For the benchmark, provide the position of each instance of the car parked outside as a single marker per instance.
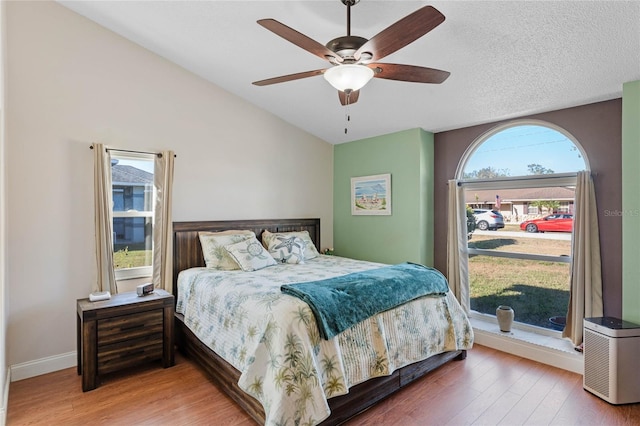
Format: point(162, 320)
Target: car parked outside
point(560, 222)
point(488, 219)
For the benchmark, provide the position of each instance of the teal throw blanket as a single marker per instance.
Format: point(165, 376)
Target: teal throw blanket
point(341, 302)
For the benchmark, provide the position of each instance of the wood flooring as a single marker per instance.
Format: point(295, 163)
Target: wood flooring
point(488, 388)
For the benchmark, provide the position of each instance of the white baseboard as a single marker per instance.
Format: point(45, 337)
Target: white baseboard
point(43, 366)
point(555, 352)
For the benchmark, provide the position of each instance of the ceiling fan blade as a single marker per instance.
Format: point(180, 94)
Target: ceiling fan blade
point(410, 73)
point(352, 97)
point(300, 40)
point(290, 77)
point(400, 34)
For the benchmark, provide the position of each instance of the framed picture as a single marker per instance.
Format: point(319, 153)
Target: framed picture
point(371, 195)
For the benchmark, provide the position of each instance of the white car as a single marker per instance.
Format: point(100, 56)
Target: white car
point(488, 219)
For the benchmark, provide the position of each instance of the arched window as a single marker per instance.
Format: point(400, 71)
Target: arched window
point(519, 185)
point(522, 148)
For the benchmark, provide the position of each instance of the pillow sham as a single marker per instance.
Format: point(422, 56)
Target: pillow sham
point(213, 243)
point(310, 250)
point(287, 248)
point(250, 255)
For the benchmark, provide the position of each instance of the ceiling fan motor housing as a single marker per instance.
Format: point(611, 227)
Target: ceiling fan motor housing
point(346, 46)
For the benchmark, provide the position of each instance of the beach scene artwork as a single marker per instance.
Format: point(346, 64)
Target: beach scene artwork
point(371, 195)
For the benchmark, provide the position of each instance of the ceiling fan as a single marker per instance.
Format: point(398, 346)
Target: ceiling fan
point(354, 58)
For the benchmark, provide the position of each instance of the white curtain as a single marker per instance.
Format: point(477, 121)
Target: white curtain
point(585, 298)
point(162, 229)
point(457, 256)
point(103, 219)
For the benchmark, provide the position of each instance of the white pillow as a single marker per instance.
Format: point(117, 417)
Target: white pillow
point(213, 243)
point(287, 248)
point(310, 250)
point(250, 255)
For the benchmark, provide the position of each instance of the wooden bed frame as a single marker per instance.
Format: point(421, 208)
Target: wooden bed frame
point(188, 254)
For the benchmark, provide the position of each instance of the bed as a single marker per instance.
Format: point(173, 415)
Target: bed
point(352, 392)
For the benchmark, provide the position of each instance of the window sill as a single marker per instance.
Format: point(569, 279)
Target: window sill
point(130, 284)
point(133, 273)
point(547, 349)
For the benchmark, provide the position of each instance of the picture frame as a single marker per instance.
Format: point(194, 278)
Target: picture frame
point(371, 195)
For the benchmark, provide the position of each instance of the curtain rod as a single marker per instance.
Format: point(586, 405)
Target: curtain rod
point(555, 176)
point(159, 154)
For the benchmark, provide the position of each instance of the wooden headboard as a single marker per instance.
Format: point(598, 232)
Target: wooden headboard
point(187, 252)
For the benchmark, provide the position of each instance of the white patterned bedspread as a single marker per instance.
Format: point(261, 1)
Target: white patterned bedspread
point(273, 340)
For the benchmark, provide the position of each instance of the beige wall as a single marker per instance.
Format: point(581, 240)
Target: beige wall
point(70, 83)
point(3, 210)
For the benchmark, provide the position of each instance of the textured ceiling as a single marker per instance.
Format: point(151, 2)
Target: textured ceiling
point(506, 59)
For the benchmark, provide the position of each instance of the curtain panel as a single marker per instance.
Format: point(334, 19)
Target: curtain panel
point(162, 228)
point(457, 256)
point(106, 280)
point(585, 299)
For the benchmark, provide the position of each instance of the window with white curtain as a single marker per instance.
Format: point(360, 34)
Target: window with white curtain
point(524, 170)
point(133, 212)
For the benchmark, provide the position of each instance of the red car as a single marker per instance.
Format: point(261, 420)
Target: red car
point(559, 222)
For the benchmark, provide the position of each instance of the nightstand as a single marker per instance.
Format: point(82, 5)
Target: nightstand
point(123, 331)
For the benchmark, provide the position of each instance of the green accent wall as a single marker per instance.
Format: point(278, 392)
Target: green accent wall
point(631, 201)
point(406, 235)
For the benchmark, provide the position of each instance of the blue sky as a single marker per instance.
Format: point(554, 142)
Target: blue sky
point(516, 147)
point(371, 187)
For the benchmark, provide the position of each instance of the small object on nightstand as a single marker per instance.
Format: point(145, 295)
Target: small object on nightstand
point(99, 295)
point(144, 289)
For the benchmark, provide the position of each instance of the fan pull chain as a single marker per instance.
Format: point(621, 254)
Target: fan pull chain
point(347, 118)
point(347, 113)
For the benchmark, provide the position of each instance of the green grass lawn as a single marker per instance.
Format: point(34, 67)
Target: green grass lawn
point(535, 290)
point(132, 258)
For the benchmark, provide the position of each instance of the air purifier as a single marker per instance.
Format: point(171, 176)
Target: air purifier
point(611, 359)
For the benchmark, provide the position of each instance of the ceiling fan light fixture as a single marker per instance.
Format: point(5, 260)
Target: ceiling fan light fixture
point(348, 76)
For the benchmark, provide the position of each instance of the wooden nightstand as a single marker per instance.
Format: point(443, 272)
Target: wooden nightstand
point(123, 331)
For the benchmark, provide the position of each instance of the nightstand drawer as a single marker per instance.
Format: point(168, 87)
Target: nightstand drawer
point(130, 352)
point(127, 327)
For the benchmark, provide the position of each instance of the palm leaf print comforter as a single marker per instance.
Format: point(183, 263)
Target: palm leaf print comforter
point(273, 340)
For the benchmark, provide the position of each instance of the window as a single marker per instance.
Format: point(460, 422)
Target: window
point(529, 209)
point(133, 202)
point(524, 171)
